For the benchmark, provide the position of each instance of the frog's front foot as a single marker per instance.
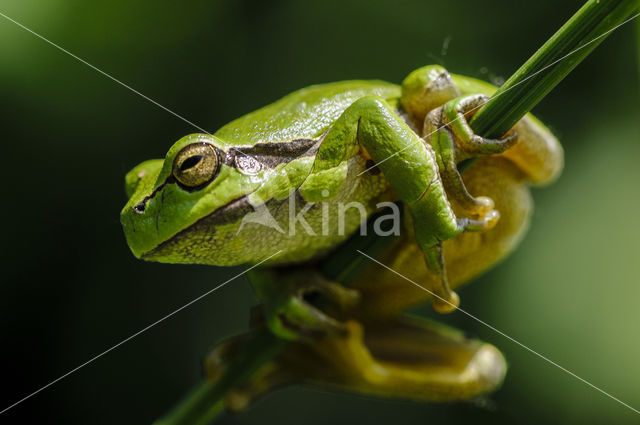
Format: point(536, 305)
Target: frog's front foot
point(304, 306)
point(447, 130)
point(456, 116)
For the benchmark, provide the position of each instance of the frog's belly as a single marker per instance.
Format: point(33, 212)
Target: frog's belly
point(385, 293)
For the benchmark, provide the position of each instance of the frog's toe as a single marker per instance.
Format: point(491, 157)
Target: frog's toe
point(310, 312)
point(487, 222)
point(457, 114)
point(446, 305)
point(309, 325)
point(478, 145)
point(480, 207)
point(329, 294)
point(484, 205)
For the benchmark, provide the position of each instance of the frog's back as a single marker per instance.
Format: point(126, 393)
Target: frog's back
point(306, 113)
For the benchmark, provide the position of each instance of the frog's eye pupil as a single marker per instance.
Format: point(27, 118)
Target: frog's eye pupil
point(196, 165)
point(190, 162)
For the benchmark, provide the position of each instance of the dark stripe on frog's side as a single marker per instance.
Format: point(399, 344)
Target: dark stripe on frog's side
point(272, 154)
point(229, 213)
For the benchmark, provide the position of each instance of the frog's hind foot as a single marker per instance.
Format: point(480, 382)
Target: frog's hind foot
point(406, 359)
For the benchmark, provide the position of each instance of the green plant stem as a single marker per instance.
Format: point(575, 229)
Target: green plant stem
point(638, 46)
point(585, 30)
point(206, 402)
point(512, 101)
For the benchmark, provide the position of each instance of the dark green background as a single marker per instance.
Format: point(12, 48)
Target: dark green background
point(71, 288)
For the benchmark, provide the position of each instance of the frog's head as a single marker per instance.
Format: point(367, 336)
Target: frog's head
point(183, 209)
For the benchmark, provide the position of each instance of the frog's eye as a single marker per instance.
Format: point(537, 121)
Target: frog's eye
point(196, 164)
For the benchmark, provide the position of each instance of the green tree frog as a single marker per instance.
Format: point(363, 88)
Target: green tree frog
point(312, 164)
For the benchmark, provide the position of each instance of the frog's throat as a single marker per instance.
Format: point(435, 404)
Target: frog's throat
point(229, 213)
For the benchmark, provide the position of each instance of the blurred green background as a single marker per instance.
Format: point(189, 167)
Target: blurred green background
point(72, 289)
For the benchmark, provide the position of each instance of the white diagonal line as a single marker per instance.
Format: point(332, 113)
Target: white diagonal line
point(515, 85)
point(103, 73)
point(240, 274)
point(375, 165)
point(135, 335)
point(502, 333)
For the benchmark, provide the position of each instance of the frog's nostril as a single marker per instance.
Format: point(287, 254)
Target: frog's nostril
point(139, 208)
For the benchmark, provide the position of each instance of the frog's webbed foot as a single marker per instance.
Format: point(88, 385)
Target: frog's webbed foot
point(407, 358)
point(447, 130)
point(304, 306)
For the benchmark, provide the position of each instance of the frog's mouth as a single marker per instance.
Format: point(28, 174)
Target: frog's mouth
point(195, 243)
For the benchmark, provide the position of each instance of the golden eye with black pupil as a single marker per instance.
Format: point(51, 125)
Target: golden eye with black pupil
point(196, 164)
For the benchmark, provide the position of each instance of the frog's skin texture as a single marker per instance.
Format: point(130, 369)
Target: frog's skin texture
point(329, 145)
